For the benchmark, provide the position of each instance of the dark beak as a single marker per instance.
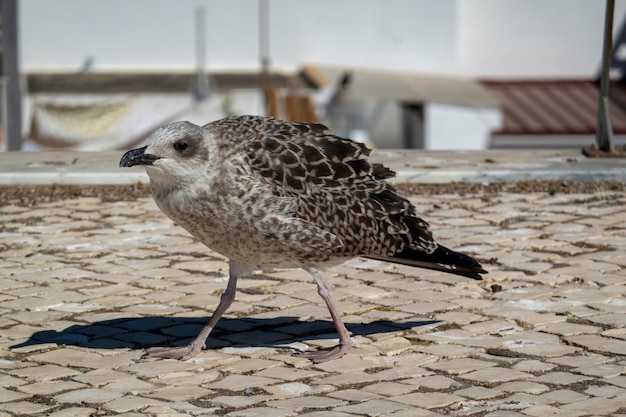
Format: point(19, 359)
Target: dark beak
point(137, 157)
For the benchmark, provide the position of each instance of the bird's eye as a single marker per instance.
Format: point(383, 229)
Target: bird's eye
point(181, 145)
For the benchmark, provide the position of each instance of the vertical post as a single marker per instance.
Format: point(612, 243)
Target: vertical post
point(4, 118)
point(202, 80)
point(604, 130)
point(10, 69)
point(264, 39)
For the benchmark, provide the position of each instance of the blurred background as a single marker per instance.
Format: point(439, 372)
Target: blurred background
point(427, 74)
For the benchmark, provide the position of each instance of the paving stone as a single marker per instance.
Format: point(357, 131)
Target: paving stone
point(373, 407)
point(607, 391)
point(620, 381)
point(586, 359)
point(549, 410)
point(459, 366)
point(478, 393)
point(496, 374)
point(299, 404)
point(529, 387)
point(87, 396)
point(25, 408)
point(8, 395)
point(533, 366)
point(564, 396)
point(47, 388)
point(240, 382)
point(44, 372)
point(73, 412)
point(596, 405)
point(560, 378)
point(432, 382)
point(291, 389)
point(261, 412)
point(239, 401)
point(288, 374)
point(428, 399)
point(131, 403)
point(388, 389)
point(602, 370)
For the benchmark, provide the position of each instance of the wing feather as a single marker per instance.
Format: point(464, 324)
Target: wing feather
point(333, 184)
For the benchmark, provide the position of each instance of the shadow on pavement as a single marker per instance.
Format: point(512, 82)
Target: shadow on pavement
point(144, 332)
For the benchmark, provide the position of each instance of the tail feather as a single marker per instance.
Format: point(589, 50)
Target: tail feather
point(442, 259)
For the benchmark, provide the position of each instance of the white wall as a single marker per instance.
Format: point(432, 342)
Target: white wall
point(537, 38)
point(159, 34)
point(454, 127)
point(465, 37)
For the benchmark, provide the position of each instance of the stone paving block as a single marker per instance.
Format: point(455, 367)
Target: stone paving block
point(387, 388)
point(585, 359)
point(619, 381)
point(87, 396)
point(413, 412)
point(528, 387)
point(478, 393)
point(601, 370)
point(459, 366)
point(293, 389)
point(607, 391)
point(560, 378)
point(564, 396)
point(598, 343)
point(73, 412)
point(47, 388)
point(43, 372)
point(432, 382)
point(372, 407)
point(25, 408)
point(505, 413)
point(9, 395)
point(428, 399)
point(131, 403)
point(262, 412)
point(533, 366)
point(549, 410)
point(495, 375)
point(240, 382)
point(596, 405)
point(310, 402)
point(347, 378)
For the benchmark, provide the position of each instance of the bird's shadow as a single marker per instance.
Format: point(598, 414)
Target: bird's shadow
point(144, 332)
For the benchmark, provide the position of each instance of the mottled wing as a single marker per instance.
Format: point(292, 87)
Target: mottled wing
point(335, 186)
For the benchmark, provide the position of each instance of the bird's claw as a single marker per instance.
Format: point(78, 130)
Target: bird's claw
point(182, 353)
point(327, 354)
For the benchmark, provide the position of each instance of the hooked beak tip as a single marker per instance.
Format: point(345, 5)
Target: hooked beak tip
point(137, 157)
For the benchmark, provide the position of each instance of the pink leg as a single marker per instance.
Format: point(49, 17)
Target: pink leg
point(324, 355)
point(192, 349)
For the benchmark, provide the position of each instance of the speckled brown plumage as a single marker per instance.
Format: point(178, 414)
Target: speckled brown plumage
point(269, 193)
point(330, 182)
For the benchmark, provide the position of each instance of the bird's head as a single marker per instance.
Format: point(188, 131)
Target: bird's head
point(174, 154)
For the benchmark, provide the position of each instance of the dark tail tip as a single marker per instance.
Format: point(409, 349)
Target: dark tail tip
point(442, 259)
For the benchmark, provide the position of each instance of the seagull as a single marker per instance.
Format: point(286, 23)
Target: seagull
point(268, 193)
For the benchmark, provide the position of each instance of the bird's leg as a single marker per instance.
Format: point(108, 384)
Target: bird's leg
point(323, 355)
point(193, 348)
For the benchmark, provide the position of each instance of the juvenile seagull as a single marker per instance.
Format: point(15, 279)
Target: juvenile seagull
point(267, 193)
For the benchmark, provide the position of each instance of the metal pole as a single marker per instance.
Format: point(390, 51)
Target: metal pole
point(264, 38)
point(202, 80)
point(10, 69)
point(4, 117)
point(604, 131)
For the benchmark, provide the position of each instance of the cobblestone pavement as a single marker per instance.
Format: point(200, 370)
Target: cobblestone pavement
point(85, 285)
